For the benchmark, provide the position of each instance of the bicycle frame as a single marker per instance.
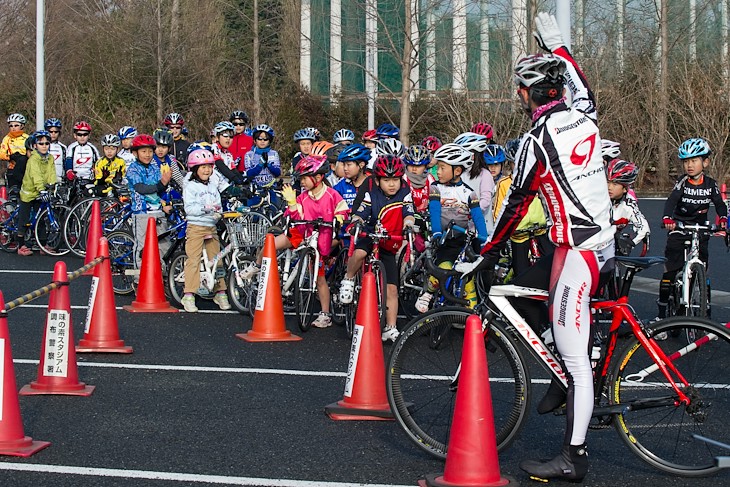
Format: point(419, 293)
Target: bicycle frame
point(690, 258)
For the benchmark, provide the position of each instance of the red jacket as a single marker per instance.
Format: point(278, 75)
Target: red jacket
point(241, 144)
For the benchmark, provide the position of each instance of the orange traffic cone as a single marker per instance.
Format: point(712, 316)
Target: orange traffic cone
point(92, 240)
point(471, 458)
point(3, 194)
point(57, 370)
point(150, 292)
point(365, 397)
point(268, 320)
point(13, 441)
point(102, 329)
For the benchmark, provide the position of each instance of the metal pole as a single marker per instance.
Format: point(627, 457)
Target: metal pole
point(305, 49)
point(371, 57)
point(562, 15)
point(40, 68)
point(335, 48)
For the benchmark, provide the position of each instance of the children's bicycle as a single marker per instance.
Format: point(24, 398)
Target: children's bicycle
point(655, 394)
point(45, 225)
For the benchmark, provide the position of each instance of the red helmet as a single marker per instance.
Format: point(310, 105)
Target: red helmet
point(143, 140)
point(311, 165)
point(622, 172)
point(174, 119)
point(389, 166)
point(369, 135)
point(431, 143)
point(483, 128)
point(82, 125)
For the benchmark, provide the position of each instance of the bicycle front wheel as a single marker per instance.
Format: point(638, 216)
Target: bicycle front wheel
point(305, 290)
point(8, 226)
point(697, 305)
point(242, 292)
point(48, 230)
point(422, 379)
point(653, 423)
point(121, 258)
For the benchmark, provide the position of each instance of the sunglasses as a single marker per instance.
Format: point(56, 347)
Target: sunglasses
point(262, 138)
point(54, 131)
point(239, 124)
point(42, 143)
point(226, 135)
point(82, 134)
point(176, 127)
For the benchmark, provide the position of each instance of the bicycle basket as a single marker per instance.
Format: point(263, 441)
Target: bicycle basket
point(246, 232)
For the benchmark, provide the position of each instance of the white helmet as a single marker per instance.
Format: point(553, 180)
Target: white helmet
point(610, 149)
point(534, 69)
point(392, 147)
point(472, 142)
point(454, 155)
point(17, 118)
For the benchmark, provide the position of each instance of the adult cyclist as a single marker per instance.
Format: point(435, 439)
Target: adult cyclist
point(561, 158)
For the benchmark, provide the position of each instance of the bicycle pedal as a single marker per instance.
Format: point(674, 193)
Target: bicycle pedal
point(538, 479)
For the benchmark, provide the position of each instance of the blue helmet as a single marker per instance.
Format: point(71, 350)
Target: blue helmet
point(223, 126)
point(354, 153)
point(494, 154)
point(40, 134)
point(201, 144)
point(52, 122)
point(307, 133)
point(387, 131)
point(417, 155)
point(510, 148)
point(343, 135)
point(696, 147)
point(263, 128)
point(472, 142)
point(127, 132)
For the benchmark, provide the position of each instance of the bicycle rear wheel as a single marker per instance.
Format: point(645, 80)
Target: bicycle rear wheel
point(339, 310)
point(121, 258)
point(243, 296)
point(421, 380)
point(305, 290)
point(49, 227)
point(697, 305)
point(653, 424)
point(411, 281)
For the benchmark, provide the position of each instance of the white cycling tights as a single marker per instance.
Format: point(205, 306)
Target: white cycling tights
point(574, 277)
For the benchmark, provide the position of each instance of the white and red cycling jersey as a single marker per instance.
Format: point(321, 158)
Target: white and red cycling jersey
point(560, 157)
point(58, 151)
point(82, 158)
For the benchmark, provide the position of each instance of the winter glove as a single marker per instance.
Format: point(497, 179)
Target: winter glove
point(547, 33)
point(44, 196)
point(70, 175)
point(289, 195)
point(625, 245)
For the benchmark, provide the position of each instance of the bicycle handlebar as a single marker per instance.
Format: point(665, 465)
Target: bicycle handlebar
point(442, 275)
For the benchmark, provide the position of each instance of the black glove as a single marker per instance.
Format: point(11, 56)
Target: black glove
point(233, 191)
point(44, 196)
point(625, 245)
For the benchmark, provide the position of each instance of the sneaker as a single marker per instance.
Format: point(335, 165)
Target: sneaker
point(221, 299)
point(423, 303)
point(324, 320)
point(347, 291)
point(47, 250)
point(250, 271)
point(391, 334)
point(24, 251)
point(661, 336)
point(188, 303)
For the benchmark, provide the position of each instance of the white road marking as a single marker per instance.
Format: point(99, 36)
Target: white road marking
point(175, 476)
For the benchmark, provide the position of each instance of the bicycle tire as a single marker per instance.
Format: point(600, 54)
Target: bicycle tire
point(420, 380)
point(8, 226)
point(335, 279)
point(121, 259)
point(653, 424)
point(305, 290)
point(52, 229)
point(76, 223)
point(352, 313)
point(243, 297)
point(410, 275)
point(697, 305)
point(381, 289)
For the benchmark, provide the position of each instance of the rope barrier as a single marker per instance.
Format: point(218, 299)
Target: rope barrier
point(26, 298)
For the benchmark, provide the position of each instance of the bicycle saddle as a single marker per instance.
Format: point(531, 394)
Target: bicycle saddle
point(640, 262)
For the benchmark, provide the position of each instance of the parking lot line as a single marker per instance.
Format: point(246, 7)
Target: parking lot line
point(175, 476)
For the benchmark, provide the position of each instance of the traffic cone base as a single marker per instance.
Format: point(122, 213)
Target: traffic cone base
point(96, 346)
point(57, 369)
point(471, 456)
point(22, 448)
point(150, 291)
point(435, 480)
point(92, 238)
point(269, 324)
point(3, 194)
point(365, 397)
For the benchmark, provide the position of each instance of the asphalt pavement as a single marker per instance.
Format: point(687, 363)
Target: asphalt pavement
point(193, 405)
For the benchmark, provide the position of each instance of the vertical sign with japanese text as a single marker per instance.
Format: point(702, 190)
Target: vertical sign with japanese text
point(92, 300)
point(354, 354)
point(263, 281)
point(55, 362)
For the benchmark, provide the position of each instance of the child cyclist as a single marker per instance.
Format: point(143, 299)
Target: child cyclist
point(126, 135)
point(81, 156)
point(353, 159)
point(40, 172)
point(689, 202)
point(624, 210)
point(13, 155)
point(388, 203)
point(451, 200)
point(110, 168)
point(317, 200)
point(202, 207)
point(57, 150)
point(165, 160)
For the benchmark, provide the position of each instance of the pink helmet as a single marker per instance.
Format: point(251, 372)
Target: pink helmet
point(311, 165)
point(199, 157)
